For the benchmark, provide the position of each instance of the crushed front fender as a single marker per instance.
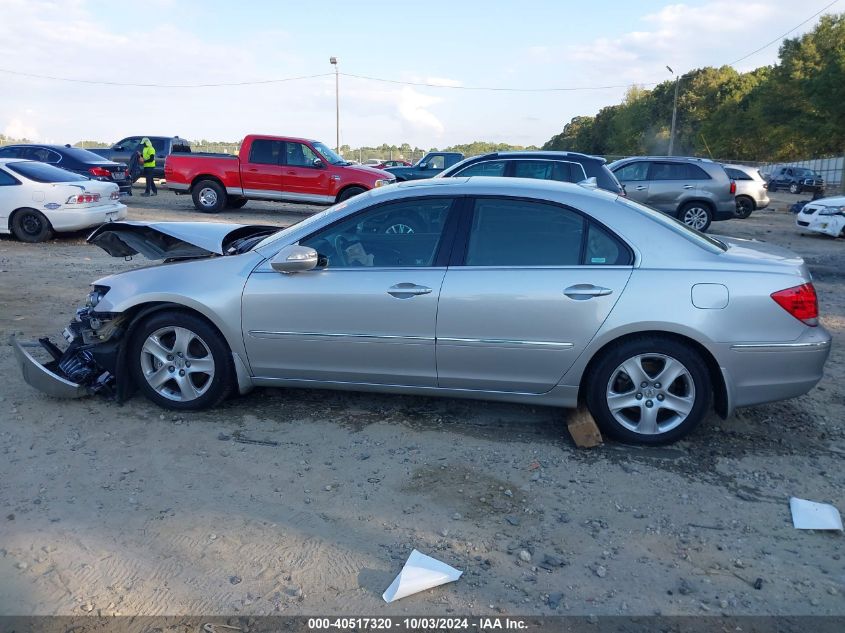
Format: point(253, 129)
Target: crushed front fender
point(43, 376)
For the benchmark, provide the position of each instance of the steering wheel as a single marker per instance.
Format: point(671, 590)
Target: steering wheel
point(341, 243)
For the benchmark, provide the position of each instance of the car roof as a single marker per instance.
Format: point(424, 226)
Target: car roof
point(530, 153)
point(678, 158)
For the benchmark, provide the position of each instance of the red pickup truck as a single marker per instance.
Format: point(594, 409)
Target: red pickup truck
point(269, 168)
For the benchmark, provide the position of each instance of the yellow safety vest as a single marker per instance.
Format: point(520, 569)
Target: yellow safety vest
point(149, 155)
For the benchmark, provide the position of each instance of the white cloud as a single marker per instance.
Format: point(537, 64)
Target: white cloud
point(17, 128)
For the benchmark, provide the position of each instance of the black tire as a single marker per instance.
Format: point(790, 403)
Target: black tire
point(30, 225)
point(794, 187)
point(744, 206)
point(236, 202)
point(697, 215)
point(403, 224)
point(208, 389)
point(349, 193)
point(209, 196)
point(692, 388)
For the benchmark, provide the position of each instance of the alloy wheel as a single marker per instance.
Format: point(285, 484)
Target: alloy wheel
point(650, 394)
point(208, 197)
point(696, 217)
point(177, 363)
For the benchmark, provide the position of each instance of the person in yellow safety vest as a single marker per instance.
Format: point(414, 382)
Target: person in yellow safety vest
point(148, 159)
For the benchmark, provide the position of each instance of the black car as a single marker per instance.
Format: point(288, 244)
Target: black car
point(75, 159)
point(796, 180)
point(563, 166)
point(163, 145)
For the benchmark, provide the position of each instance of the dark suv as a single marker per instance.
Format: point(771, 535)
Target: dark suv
point(163, 145)
point(562, 166)
point(796, 180)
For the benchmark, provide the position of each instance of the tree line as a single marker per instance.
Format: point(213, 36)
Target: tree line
point(792, 110)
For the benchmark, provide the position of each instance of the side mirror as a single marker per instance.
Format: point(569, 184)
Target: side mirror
point(423, 165)
point(118, 148)
point(318, 163)
point(295, 259)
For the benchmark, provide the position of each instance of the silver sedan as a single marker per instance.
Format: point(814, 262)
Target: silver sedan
point(517, 290)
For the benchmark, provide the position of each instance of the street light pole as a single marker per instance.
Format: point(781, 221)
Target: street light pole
point(674, 113)
point(333, 62)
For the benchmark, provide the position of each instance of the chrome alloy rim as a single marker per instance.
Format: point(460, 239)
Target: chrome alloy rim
point(208, 197)
point(177, 364)
point(696, 217)
point(650, 394)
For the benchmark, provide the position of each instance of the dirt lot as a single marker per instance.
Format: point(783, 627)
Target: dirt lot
point(133, 510)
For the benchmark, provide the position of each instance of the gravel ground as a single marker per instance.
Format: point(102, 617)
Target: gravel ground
point(134, 510)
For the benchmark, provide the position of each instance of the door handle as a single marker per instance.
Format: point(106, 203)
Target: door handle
point(407, 290)
point(291, 173)
point(640, 188)
point(580, 292)
point(689, 186)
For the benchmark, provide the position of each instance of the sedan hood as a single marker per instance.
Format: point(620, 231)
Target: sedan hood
point(173, 240)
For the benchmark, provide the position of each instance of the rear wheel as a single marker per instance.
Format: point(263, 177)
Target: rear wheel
point(649, 390)
point(744, 206)
point(696, 215)
point(29, 225)
point(349, 193)
point(180, 362)
point(209, 196)
point(236, 202)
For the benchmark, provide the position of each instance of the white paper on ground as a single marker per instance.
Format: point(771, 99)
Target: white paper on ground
point(420, 572)
point(809, 515)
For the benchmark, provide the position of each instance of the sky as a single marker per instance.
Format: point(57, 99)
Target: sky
point(467, 44)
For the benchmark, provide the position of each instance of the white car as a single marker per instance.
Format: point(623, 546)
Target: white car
point(825, 215)
point(37, 200)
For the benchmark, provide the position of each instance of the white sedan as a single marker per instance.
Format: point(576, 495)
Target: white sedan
point(37, 200)
point(825, 215)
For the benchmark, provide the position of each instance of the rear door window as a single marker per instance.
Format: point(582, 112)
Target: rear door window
point(543, 170)
point(265, 151)
point(668, 171)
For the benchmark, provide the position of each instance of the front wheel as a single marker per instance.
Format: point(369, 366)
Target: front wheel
point(30, 225)
point(349, 193)
point(696, 215)
point(794, 188)
point(180, 362)
point(209, 196)
point(649, 390)
point(744, 207)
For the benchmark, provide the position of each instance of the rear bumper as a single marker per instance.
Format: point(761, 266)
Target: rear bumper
point(76, 219)
point(41, 377)
point(757, 373)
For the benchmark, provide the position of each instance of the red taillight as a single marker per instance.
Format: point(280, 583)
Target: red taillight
point(99, 172)
point(733, 187)
point(801, 302)
point(84, 198)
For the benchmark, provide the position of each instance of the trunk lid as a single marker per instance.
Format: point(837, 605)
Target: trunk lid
point(750, 252)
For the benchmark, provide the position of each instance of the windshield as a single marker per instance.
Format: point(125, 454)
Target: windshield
point(42, 172)
point(804, 173)
point(710, 243)
point(328, 154)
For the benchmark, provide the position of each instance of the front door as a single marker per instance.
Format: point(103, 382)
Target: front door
point(301, 178)
point(535, 284)
point(367, 314)
point(261, 175)
point(634, 177)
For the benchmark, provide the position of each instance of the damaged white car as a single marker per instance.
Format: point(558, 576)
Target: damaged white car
point(825, 215)
point(507, 289)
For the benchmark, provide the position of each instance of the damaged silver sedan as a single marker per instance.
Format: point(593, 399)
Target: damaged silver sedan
point(506, 289)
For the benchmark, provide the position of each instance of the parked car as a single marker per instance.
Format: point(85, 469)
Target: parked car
point(163, 145)
point(277, 168)
point(696, 191)
point(37, 199)
point(562, 166)
point(521, 290)
point(825, 215)
point(796, 180)
point(373, 162)
point(394, 163)
point(751, 189)
point(75, 159)
point(429, 166)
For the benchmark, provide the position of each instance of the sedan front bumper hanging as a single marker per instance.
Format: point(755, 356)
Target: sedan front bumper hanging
point(44, 377)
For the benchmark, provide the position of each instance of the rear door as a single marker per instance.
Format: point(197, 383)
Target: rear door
point(301, 179)
point(634, 177)
point(531, 286)
point(261, 174)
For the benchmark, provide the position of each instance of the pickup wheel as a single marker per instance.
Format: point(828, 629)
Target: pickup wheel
point(236, 202)
point(348, 193)
point(794, 188)
point(209, 196)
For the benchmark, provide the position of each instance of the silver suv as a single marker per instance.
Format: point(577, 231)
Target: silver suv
point(696, 191)
point(751, 189)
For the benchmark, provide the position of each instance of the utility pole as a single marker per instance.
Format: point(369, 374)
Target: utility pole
point(333, 62)
point(674, 113)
